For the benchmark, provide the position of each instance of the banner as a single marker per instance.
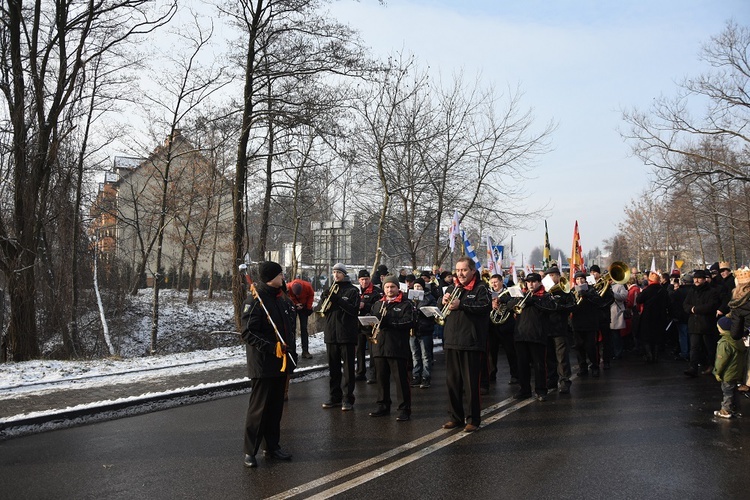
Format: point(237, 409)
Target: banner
point(470, 252)
point(547, 249)
point(454, 231)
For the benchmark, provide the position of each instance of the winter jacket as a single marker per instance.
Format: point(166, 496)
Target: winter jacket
point(425, 324)
point(705, 299)
point(740, 313)
point(305, 297)
point(585, 317)
point(260, 336)
point(532, 323)
point(558, 318)
point(617, 309)
point(676, 304)
point(467, 328)
point(341, 323)
point(654, 317)
point(729, 366)
point(393, 335)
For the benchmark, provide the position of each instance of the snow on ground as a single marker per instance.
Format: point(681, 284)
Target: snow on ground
point(177, 318)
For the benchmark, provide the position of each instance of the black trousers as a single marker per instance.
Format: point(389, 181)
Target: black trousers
point(586, 348)
point(264, 411)
point(532, 354)
point(558, 361)
point(384, 368)
point(341, 359)
point(462, 377)
point(361, 355)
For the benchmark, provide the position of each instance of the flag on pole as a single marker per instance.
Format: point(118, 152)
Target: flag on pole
point(491, 264)
point(513, 272)
point(559, 260)
point(470, 252)
point(653, 264)
point(576, 255)
point(497, 255)
point(547, 249)
point(454, 231)
point(673, 267)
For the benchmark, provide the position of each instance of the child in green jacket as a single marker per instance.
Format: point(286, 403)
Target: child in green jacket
point(729, 368)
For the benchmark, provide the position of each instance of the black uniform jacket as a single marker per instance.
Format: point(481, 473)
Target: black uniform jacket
point(655, 314)
point(532, 323)
point(393, 335)
point(585, 316)
point(260, 336)
point(467, 328)
point(558, 318)
point(341, 323)
point(705, 299)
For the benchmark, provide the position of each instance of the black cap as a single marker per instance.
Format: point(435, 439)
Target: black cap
point(533, 277)
point(595, 269)
point(699, 273)
point(363, 273)
point(268, 270)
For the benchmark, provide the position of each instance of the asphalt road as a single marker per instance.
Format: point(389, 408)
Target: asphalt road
point(640, 431)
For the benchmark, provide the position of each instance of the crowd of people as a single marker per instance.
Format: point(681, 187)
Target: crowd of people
point(540, 323)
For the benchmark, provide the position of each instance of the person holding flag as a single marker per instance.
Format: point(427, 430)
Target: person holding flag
point(268, 322)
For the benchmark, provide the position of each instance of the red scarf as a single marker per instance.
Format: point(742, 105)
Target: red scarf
point(396, 299)
point(369, 289)
point(470, 286)
point(539, 291)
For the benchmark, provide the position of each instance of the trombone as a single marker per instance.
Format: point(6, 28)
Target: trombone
point(519, 307)
point(326, 305)
point(440, 320)
point(373, 337)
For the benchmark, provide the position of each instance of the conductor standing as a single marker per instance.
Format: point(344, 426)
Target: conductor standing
point(268, 321)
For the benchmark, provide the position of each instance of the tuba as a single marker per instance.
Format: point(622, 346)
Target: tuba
point(326, 305)
point(563, 286)
point(619, 272)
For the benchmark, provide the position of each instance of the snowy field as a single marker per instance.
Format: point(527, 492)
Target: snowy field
point(179, 325)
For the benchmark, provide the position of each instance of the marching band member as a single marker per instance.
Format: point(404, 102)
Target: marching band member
point(558, 342)
point(390, 348)
point(340, 336)
point(500, 334)
point(264, 313)
point(532, 322)
point(369, 294)
point(465, 339)
point(421, 342)
point(585, 321)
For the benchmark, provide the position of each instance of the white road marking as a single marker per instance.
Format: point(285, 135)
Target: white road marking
point(380, 471)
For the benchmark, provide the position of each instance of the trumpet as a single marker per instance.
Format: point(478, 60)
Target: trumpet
point(619, 272)
point(563, 286)
point(326, 305)
point(440, 320)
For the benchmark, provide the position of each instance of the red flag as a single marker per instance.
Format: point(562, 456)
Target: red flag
point(576, 259)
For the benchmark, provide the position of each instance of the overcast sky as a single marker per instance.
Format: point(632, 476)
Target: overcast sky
point(579, 63)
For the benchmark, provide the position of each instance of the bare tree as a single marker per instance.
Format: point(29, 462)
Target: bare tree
point(44, 50)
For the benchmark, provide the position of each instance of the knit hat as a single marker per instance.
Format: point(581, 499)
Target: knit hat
point(580, 274)
point(419, 281)
point(363, 273)
point(714, 267)
point(595, 269)
point(724, 325)
point(340, 267)
point(268, 270)
point(391, 279)
point(382, 270)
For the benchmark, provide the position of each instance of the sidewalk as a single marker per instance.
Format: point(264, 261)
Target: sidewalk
point(149, 394)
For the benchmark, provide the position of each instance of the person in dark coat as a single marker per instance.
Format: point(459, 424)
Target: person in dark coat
point(421, 341)
point(701, 304)
point(270, 360)
point(585, 323)
point(369, 294)
point(532, 325)
point(464, 341)
point(739, 311)
point(500, 334)
point(654, 316)
point(340, 335)
point(559, 372)
point(390, 348)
